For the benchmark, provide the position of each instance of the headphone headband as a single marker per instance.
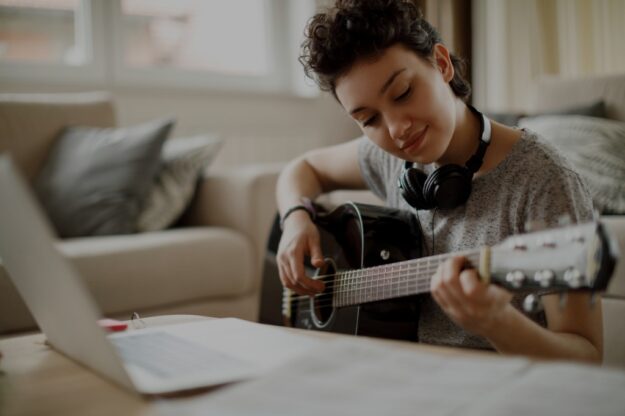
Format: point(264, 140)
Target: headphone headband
point(475, 162)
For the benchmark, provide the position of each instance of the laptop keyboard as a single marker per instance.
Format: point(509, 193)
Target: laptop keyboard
point(166, 355)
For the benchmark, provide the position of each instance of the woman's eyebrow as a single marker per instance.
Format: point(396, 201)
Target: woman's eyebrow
point(387, 84)
point(390, 80)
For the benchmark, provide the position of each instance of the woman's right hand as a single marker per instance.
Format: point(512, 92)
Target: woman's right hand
point(300, 238)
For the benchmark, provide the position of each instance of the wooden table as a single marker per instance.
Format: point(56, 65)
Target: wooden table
point(35, 379)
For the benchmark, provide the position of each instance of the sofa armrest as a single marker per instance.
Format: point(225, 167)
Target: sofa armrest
point(242, 199)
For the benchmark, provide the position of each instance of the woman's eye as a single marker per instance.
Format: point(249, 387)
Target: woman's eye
point(404, 94)
point(370, 121)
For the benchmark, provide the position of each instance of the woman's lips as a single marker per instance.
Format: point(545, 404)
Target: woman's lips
point(415, 141)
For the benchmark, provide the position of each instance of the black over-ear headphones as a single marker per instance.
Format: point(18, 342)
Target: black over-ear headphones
point(448, 186)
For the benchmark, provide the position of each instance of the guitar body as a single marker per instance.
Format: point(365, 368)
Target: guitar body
point(354, 236)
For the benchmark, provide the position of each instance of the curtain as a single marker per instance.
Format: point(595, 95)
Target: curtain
point(452, 19)
point(517, 41)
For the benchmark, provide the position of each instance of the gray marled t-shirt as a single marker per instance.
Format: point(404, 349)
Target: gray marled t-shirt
point(533, 183)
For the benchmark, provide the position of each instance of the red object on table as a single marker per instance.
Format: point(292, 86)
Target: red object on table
point(112, 325)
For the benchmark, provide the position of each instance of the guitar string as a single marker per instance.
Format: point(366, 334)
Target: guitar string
point(421, 287)
point(347, 292)
point(399, 270)
point(321, 300)
point(307, 307)
point(354, 283)
point(428, 260)
point(415, 262)
point(322, 305)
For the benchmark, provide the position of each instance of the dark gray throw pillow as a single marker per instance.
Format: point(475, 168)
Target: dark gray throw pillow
point(594, 109)
point(95, 180)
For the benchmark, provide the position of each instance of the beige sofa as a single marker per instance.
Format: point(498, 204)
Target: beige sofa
point(210, 266)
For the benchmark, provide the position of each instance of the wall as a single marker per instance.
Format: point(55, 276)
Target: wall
point(516, 43)
point(256, 127)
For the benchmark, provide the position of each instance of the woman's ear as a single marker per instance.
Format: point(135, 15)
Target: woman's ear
point(443, 62)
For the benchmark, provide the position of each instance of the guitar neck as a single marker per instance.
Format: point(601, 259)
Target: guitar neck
point(390, 281)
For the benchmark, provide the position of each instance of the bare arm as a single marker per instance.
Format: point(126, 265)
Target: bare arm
point(574, 331)
point(318, 171)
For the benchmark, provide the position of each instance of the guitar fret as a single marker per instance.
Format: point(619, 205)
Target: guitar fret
point(349, 294)
point(389, 281)
point(368, 279)
point(345, 288)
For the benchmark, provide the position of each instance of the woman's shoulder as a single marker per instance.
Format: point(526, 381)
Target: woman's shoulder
point(536, 155)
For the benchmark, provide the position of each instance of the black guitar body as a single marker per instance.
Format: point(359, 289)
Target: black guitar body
point(354, 236)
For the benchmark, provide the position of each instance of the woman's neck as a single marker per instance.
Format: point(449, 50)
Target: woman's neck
point(465, 139)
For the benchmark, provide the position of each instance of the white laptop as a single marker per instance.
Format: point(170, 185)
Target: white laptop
point(148, 361)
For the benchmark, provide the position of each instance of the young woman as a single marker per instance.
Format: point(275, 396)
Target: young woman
point(390, 71)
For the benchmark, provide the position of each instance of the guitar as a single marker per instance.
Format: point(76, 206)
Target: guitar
point(374, 274)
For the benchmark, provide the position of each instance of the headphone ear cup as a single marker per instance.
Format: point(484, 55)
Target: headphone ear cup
point(448, 187)
point(411, 184)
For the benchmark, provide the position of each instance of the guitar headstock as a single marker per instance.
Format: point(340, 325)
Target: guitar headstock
point(580, 257)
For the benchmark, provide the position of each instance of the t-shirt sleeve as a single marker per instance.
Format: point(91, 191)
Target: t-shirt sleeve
point(371, 159)
point(561, 194)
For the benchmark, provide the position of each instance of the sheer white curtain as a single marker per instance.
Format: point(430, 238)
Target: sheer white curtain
point(517, 41)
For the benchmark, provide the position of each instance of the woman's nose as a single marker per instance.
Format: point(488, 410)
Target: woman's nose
point(398, 127)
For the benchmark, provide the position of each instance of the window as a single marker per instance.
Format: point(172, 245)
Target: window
point(224, 44)
point(41, 31)
point(191, 35)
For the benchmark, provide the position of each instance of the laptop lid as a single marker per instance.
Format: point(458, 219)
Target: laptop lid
point(48, 283)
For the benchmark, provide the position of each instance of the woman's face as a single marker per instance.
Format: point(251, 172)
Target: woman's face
point(402, 102)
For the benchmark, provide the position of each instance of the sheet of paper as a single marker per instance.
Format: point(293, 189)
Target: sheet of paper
point(364, 377)
point(558, 389)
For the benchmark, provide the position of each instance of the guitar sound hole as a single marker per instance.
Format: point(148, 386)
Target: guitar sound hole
point(321, 305)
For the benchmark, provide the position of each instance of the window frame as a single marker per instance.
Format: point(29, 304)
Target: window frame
point(103, 22)
point(92, 72)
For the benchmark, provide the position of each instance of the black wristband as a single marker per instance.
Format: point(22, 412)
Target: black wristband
point(306, 206)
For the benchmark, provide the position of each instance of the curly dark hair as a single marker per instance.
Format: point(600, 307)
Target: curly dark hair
point(362, 29)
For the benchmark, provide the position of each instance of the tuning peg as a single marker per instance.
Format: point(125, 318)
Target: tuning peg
point(534, 225)
point(573, 277)
point(562, 300)
point(532, 304)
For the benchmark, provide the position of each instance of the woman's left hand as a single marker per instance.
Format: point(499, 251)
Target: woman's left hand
point(473, 305)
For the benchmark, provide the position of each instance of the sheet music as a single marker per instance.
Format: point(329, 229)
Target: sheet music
point(364, 377)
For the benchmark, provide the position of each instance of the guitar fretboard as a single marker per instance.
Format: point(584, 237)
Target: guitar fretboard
point(390, 281)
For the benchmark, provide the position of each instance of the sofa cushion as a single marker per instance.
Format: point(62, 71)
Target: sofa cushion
point(95, 180)
point(183, 160)
point(142, 271)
